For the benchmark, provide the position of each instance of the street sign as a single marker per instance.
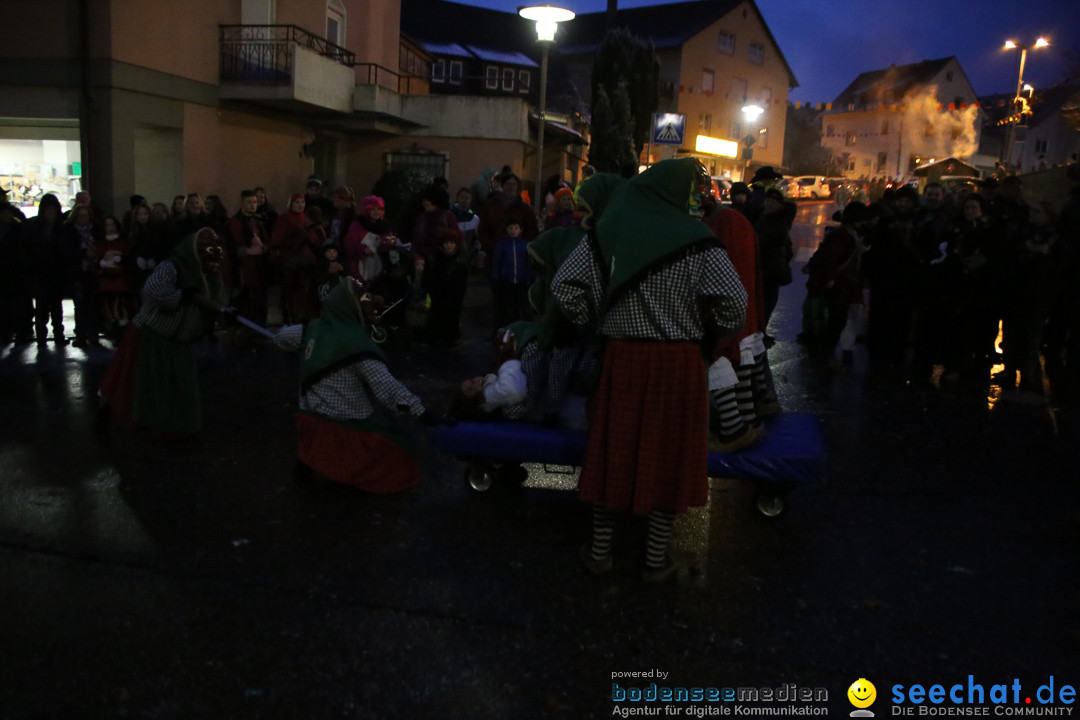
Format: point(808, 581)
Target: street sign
point(748, 140)
point(669, 128)
point(748, 154)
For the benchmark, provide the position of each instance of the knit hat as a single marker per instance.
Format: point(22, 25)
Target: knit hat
point(563, 192)
point(855, 212)
point(766, 173)
point(372, 201)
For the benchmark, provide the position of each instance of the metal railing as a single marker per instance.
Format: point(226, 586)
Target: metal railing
point(373, 74)
point(262, 54)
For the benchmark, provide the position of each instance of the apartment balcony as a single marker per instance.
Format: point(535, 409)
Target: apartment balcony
point(285, 67)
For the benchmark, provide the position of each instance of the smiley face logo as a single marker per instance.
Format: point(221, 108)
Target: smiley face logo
point(862, 693)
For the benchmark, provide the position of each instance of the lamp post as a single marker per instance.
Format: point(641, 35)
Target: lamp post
point(751, 113)
point(1018, 100)
point(547, 19)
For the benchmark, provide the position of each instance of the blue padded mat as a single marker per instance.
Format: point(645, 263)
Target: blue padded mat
point(792, 451)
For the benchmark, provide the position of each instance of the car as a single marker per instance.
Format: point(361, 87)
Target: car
point(808, 186)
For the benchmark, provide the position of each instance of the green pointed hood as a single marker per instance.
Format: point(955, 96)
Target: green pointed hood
point(337, 338)
point(648, 219)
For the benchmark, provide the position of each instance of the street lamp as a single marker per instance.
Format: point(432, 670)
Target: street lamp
point(547, 19)
point(1018, 101)
point(751, 113)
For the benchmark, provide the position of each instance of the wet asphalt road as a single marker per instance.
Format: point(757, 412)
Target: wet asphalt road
point(199, 580)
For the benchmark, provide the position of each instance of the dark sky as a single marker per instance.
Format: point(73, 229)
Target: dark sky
point(828, 43)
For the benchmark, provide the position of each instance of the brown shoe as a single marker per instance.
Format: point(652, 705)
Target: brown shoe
point(746, 437)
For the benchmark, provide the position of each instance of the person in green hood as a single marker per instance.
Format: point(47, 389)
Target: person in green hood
point(575, 356)
point(651, 281)
point(343, 377)
point(153, 378)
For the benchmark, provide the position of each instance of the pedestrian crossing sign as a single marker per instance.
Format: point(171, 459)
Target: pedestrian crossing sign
point(668, 128)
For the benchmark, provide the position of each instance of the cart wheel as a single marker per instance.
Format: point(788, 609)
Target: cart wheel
point(770, 505)
point(379, 334)
point(479, 476)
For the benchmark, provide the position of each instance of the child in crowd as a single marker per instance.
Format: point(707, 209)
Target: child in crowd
point(445, 280)
point(511, 274)
point(366, 236)
point(331, 270)
point(116, 283)
point(565, 213)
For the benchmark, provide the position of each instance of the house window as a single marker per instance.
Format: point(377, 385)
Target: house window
point(849, 139)
point(757, 54)
point(948, 76)
point(335, 23)
point(524, 78)
point(1041, 146)
point(707, 80)
point(508, 79)
point(438, 71)
point(735, 130)
point(491, 77)
point(738, 89)
point(725, 43)
point(866, 163)
point(766, 96)
point(851, 165)
point(958, 101)
point(704, 122)
point(885, 127)
point(882, 158)
point(456, 71)
point(830, 130)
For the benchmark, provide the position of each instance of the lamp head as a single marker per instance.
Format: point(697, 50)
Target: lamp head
point(1042, 42)
point(1010, 45)
point(547, 19)
point(753, 112)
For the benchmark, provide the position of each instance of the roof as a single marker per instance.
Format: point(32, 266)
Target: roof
point(948, 166)
point(433, 22)
point(898, 79)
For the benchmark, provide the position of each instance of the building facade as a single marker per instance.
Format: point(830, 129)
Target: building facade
point(716, 57)
point(888, 122)
point(214, 96)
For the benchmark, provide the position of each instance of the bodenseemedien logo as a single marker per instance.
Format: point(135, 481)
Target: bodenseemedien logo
point(862, 694)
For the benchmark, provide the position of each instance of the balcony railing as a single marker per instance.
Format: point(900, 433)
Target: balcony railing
point(372, 74)
point(262, 54)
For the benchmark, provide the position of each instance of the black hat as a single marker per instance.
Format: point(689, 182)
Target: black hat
point(856, 212)
point(739, 188)
point(765, 173)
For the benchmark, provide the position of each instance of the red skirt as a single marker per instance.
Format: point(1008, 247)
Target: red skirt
point(118, 384)
point(367, 460)
point(648, 429)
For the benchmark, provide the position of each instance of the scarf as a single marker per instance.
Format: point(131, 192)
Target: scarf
point(648, 220)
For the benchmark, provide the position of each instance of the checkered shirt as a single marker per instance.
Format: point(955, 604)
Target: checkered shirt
point(162, 310)
point(347, 394)
point(662, 305)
